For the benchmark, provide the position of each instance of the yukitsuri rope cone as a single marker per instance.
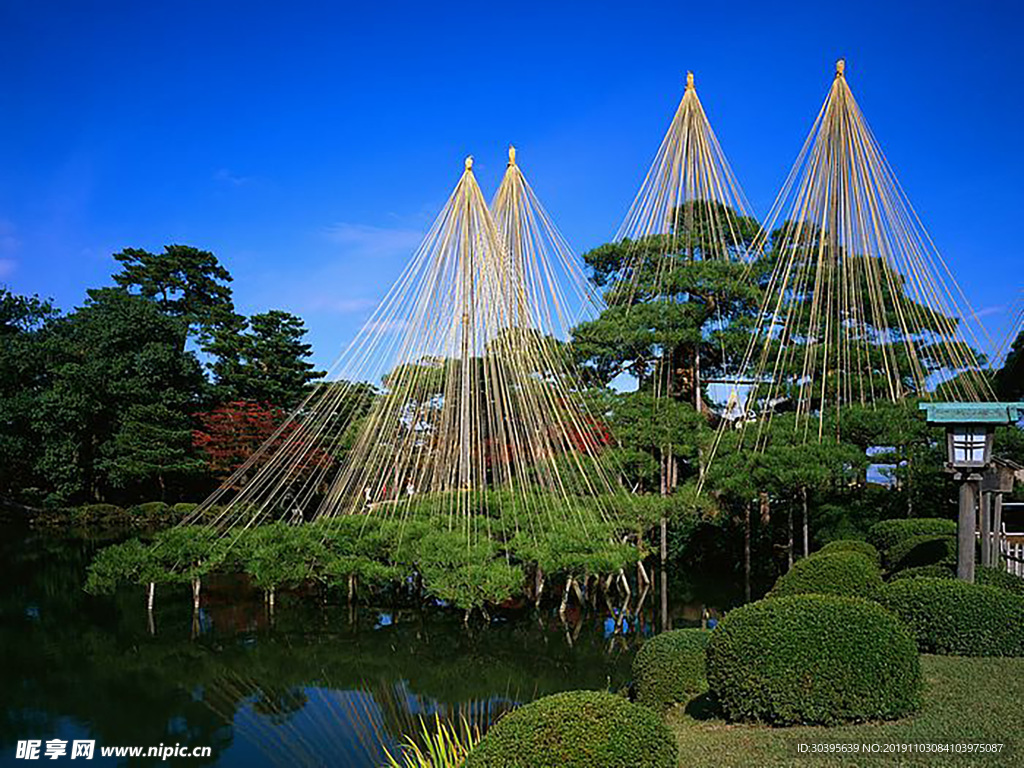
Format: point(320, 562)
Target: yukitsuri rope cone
point(456, 395)
point(859, 307)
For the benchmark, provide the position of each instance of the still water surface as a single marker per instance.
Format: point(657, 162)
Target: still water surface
point(320, 684)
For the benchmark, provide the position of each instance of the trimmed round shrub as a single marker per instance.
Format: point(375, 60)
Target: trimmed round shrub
point(577, 729)
point(922, 550)
point(885, 534)
point(669, 668)
point(998, 577)
point(850, 545)
point(850, 574)
point(953, 617)
point(925, 572)
point(184, 508)
point(815, 659)
point(149, 509)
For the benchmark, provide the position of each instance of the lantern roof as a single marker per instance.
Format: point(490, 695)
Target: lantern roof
point(973, 413)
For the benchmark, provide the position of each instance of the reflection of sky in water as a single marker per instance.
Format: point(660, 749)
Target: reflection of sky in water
point(340, 727)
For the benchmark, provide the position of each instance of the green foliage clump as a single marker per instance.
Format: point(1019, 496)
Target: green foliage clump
point(916, 551)
point(998, 577)
point(149, 509)
point(850, 574)
point(813, 659)
point(183, 508)
point(886, 534)
point(130, 562)
point(924, 572)
point(669, 668)
point(850, 545)
point(948, 616)
point(96, 513)
point(983, 574)
point(577, 729)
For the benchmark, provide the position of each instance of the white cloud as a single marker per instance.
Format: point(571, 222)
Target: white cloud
point(989, 311)
point(226, 176)
point(9, 242)
point(364, 240)
point(7, 267)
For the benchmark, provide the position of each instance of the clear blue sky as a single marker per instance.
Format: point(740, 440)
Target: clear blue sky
point(310, 144)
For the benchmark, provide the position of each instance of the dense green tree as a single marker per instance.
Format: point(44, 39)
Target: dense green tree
point(24, 321)
point(1009, 381)
point(114, 415)
point(185, 282)
point(265, 360)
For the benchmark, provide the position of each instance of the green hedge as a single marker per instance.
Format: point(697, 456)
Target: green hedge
point(850, 545)
point(916, 551)
point(953, 617)
point(816, 659)
point(669, 668)
point(983, 574)
point(885, 534)
point(925, 572)
point(184, 508)
point(998, 577)
point(577, 729)
point(850, 574)
point(149, 509)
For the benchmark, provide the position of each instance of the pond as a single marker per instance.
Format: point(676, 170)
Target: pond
point(316, 684)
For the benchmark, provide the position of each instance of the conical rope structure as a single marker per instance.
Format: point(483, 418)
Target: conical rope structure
point(690, 194)
point(457, 395)
point(859, 307)
point(686, 231)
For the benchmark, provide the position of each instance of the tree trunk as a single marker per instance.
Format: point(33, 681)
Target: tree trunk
point(789, 536)
point(150, 592)
point(746, 552)
point(196, 586)
point(806, 527)
point(664, 573)
point(351, 587)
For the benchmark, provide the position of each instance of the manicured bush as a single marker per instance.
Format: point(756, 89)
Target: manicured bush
point(184, 509)
point(149, 509)
point(850, 574)
point(956, 618)
point(916, 551)
point(925, 572)
point(577, 729)
point(669, 668)
point(850, 545)
point(998, 577)
point(813, 659)
point(885, 534)
point(96, 512)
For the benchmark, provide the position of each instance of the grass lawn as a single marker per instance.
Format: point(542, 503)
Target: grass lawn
point(970, 700)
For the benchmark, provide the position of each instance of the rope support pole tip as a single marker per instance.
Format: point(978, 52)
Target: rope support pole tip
point(511, 155)
point(840, 67)
point(689, 81)
point(469, 162)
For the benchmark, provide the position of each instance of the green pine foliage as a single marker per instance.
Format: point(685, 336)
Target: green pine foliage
point(948, 616)
point(846, 573)
point(669, 668)
point(813, 659)
point(577, 729)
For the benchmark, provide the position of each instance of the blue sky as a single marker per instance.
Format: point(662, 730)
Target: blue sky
point(309, 145)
